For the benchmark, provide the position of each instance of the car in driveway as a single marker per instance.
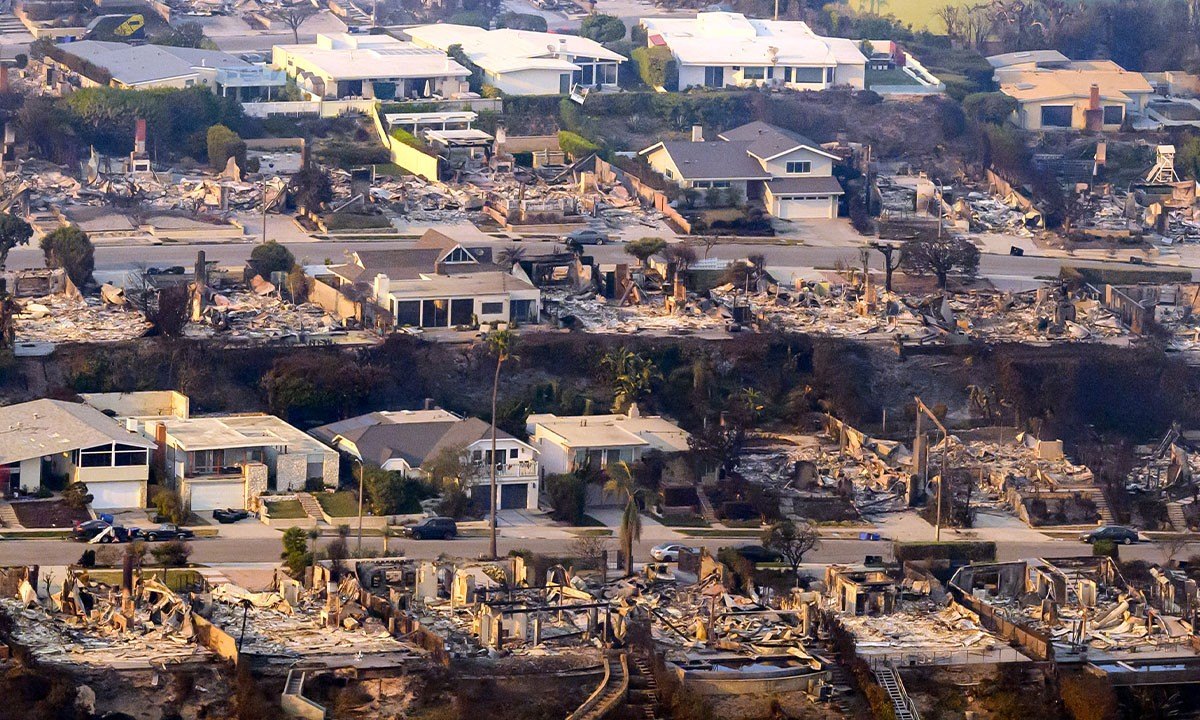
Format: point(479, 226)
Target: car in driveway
point(433, 528)
point(669, 552)
point(586, 236)
point(230, 515)
point(1113, 533)
point(168, 531)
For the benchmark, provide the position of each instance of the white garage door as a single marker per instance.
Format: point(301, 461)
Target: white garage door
point(116, 494)
point(795, 209)
point(217, 495)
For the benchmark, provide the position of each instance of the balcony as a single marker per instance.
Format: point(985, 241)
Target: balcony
point(522, 469)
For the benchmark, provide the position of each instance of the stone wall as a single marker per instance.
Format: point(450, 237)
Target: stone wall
point(257, 477)
point(291, 470)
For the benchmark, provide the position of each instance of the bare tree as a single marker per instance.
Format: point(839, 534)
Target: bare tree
point(295, 16)
point(892, 257)
point(940, 257)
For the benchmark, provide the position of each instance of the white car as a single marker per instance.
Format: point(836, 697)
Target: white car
point(669, 552)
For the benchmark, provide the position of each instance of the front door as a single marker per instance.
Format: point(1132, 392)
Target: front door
point(564, 83)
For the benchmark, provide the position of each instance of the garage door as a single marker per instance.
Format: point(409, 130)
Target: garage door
point(795, 209)
point(217, 495)
point(116, 494)
point(514, 497)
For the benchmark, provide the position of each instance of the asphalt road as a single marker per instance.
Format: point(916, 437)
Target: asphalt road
point(130, 257)
point(239, 550)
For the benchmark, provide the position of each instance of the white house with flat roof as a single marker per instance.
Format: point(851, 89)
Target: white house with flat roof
point(724, 49)
point(220, 461)
point(342, 65)
point(567, 443)
point(525, 62)
point(75, 442)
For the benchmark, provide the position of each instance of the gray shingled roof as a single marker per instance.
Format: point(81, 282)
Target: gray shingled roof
point(766, 140)
point(48, 427)
point(795, 185)
point(714, 161)
point(137, 64)
point(416, 443)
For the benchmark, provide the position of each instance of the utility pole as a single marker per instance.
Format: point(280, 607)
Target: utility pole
point(360, 505)
point(923, 409)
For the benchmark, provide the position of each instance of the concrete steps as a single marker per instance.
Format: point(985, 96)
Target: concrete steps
point(1174, 514)
point(607, 697)
point(311, 507)
point(643, 689)
point(891, 684)
point(1096, 495)
point(706, 506)
point(8, 518)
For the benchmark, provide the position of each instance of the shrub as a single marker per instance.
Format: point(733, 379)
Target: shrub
point(1105, 548)
point(76, 496)
point(602, 28)
point(575, 145)
point(868, 97)
point(71, 249)
point(989, 107)
point(223, 144)
point(657, 67)
point(270, 257)
point(954, 551)
point(567, 494)
point(170, 506)
point(174, 553)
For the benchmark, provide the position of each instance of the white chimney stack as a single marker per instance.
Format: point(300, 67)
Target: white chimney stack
point(697, 133)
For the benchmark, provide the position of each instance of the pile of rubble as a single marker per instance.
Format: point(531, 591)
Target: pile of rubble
point(920, 627)
point(989, 214)
point(247, 316)
point(593, 313)
point(63, 318)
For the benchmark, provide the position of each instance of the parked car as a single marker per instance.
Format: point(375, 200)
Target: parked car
point(168, 531)
point(586, 236)
point(434, 527)
point(230, 515)
point(669, 552)
point(1114, 533)
point(758, 554)
point(83, 531)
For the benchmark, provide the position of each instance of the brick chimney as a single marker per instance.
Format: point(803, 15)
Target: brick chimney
point(139, 136)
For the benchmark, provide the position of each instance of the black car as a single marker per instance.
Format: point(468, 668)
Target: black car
point(229, 515)
point(168, 531)
point(84, 531)
point(433, 528)
point(101, 531)
point(1113, 533)
point(758, 554)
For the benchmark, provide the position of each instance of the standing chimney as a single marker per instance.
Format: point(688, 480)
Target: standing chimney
point(1094, 98)
point(3, 79)
point(139, 137)
point(697, 133)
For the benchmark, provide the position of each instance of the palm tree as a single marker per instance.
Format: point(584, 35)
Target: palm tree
point(621, 482)
point(500, 343)
point(510, 256)
point(632, 376)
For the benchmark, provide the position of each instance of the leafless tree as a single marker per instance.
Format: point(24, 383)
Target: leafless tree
point(792, 541)
point(295, 16)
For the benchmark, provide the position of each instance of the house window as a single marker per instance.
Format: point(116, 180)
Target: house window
point(408, 312)
point(702, 184)
point(809, 75)
point(829, 75)
point(755, 73)
point(523, 311)
point(1114, 114)
point(607, 74)
point(461, 311)
point(435, 313)
point(669, 173)
point(714, 77)
point(127, 456)
point(96, 457)
point(512, 454)
point(458, 255)
point(787, 74)
point(207, 462)
point(799, 167)
point(720, 183)
point(1056, 115)
point(492, 308)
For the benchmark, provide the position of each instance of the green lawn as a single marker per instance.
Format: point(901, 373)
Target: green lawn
point(340, 504)
point(684, 521)
point(285, 510)
point(895, 76)
point(717, 533)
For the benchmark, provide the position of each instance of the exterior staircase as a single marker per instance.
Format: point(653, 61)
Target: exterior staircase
point(611, 692)
point(310, 505)
point(1174, 514)
point(890, 682)
point(643, 689)
point(8, 518)
point(293, 702)
point(706, 507)
point(1096, 495)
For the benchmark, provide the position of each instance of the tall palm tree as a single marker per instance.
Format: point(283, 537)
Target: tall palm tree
point(510, 256)
point(500, 343)
point(621, 482)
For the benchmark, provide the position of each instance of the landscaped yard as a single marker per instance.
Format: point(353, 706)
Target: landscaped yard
point(48, 514)
point(285, 510)
point(340, 504)
point(895, 76)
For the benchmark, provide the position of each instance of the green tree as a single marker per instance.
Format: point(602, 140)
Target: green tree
point(989, 107)
point(76, 496)
point(223, 144)
point(71, 249)
point(500, 344)
point(13, 232)
point(174, 553)
point(170, 506)
point(632, 376)
point(656, 67)
point(621, 482)
point(521, 21)
point(295, 553)
point(645, 248)
point(270, 257)
point(602, 28)
point(456, 53)
point(390, 493)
